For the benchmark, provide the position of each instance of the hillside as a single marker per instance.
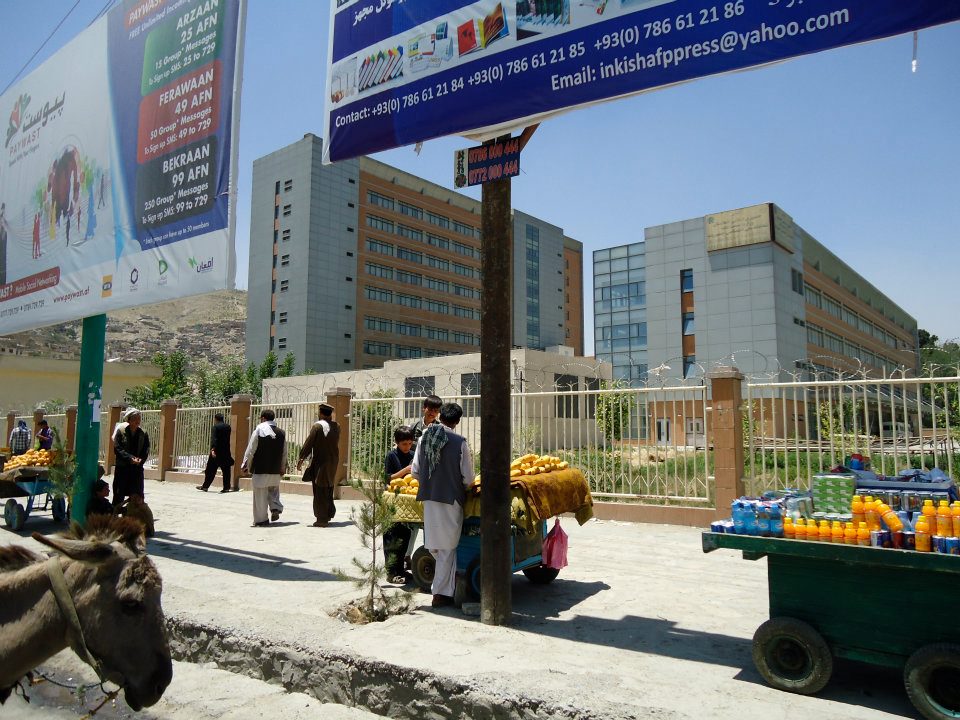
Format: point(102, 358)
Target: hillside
point(210, 326)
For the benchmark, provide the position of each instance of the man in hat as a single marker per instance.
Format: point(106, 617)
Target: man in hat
point(132, 447)
point(266, 458)
point(220, 456)
point(322, 446)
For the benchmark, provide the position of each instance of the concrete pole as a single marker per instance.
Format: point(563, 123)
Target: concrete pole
point(496, 329)
point(726, 389)
point(339, 398)
point(242, 425)
point(168, 429)
point(71, 429)
point(116, 410)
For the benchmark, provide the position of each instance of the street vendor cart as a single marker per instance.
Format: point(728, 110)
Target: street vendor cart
point(534, 499)
point(30, 483)
point(893, 608)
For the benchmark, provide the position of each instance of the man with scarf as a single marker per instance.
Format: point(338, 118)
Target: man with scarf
point(322, 446)
point(443, 464)
point(131, 444)
point(266, 458)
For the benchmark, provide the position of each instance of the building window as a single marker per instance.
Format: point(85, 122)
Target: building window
point(411, 301)
point(438, 220)
point(466, 292)
point(287, 210)
point(287, 185)
point(379, 247)
point(813, 296)
point(286, 235)
point(686, 280)
point(438, 307)
point(281, 343)
point(409, 277)
point(379, 200)
point(416, 387)
point(380, 271)
point(463, 229)
point(284, 285)
point(798, 321)
point(438, 285)
point(378, 324)
point(438, 334)
point(284, 260)
point(463, 270)
point(689, 365)
point(371, 347)
point(465, 250)
point(283, 318)
point(438, 242)
point(408, 329)
point(567, 406)
point(796, 281)
point(465, 312)
point(407, 352)
point(410, 233)
point(379, 294)
point(438, 263)
point(409, 255)
point(411, 210)
point(688, 326)
point(379, 223)
point(470, 385)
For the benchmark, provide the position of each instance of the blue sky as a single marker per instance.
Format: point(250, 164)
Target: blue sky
point(861, 152)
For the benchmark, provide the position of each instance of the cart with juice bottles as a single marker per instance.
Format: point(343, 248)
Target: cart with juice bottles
point(893, 608)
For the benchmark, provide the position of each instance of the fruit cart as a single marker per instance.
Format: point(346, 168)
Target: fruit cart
point(532, 503)
point(28, 482)
point(893, 608)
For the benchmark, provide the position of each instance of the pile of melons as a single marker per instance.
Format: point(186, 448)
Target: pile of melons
point(31, 458)
point(407, 485)
point(533, 464)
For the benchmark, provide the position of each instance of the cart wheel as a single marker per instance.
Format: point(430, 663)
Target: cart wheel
point(541, 574)
point(792, 656)
point(932, 679)
point(59, 509)
point(422, 565)
point(460, 591)
point(13, 514)
point(472, 579)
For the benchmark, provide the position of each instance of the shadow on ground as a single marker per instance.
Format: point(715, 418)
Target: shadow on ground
point(243, 562)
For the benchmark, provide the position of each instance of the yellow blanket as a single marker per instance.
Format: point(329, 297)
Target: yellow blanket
point(546, 495)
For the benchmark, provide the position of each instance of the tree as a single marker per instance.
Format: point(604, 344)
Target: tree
point(614, 410)
point(172, 383)
point(371, 431)
point(926, 339)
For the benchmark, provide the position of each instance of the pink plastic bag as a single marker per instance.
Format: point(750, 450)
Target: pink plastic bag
point(555, 547)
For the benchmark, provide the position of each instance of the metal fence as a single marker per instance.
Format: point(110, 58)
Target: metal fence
point(796, 430)
point(295, 419)
point(150, 423)
point(106, 435)
point(646, 444)
point(191, 438)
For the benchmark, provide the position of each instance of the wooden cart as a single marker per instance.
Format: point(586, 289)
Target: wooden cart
point(894, 608)
point(30, 483)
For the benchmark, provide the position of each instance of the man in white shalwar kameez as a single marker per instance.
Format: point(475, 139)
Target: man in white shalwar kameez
point(443, 464)
point(266, 458)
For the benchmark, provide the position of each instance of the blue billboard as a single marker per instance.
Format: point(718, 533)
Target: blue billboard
point(403, 71)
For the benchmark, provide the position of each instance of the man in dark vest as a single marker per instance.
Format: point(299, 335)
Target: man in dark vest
point(220, 455)
point(322, 446)
point(266, 458)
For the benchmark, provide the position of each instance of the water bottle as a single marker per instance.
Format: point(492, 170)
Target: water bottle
point(763, 519)
point(739, 521)
point(750, 517)
point(776, 521)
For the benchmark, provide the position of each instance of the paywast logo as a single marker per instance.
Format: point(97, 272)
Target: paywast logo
point(201, 267)
point(16, 116)
point(107, 290)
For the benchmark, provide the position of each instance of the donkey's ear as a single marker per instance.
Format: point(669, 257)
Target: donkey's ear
point(83, 550)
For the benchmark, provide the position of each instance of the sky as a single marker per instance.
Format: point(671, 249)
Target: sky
point(860, 151)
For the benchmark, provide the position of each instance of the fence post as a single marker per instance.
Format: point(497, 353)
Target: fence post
point(240, 435)
point(11, 424)
point(71, 429)
point(116, 409)
point(726, 388)
point(340, 399)
point(168, 430)
point(37, 417)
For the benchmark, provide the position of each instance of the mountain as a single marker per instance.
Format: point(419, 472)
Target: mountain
point(211, 326)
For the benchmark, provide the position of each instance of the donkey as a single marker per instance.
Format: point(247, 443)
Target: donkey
point(109, 585)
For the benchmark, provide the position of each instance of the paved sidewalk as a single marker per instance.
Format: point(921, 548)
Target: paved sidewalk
point(641, 624)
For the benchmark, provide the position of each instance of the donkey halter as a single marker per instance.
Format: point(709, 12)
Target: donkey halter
point(69, 611)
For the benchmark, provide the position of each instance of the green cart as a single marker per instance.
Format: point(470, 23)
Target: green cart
point(894, 608)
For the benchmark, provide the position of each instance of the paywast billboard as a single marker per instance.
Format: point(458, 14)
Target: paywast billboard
point(116, 161)
point(402, 71)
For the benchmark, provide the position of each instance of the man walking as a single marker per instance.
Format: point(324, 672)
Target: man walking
point(266, 458)
point(443, 464)
point(322, 446)
point(220, 456)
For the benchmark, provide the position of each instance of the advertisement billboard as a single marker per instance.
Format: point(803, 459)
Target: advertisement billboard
point(404, 71)
point(117, 163)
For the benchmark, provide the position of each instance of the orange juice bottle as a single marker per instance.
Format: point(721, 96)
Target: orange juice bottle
point(955, 512)
point(836, 533)
point(856, 507)
point(944, 519)
point(850, 534)
point(870, 513)
point(788, 530)
point(923, 535)
point(824, 531)
point(893, 521)
point(930, 515)
point(863, 535)
point(800, 529)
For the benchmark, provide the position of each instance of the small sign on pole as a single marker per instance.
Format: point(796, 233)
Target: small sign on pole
point(486, 163)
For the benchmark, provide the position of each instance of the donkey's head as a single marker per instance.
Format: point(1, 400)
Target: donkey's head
point(116, 590)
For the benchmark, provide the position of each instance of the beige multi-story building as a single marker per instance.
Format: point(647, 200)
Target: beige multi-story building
point(358, 263)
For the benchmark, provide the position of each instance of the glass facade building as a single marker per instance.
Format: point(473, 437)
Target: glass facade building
point(620, 310)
